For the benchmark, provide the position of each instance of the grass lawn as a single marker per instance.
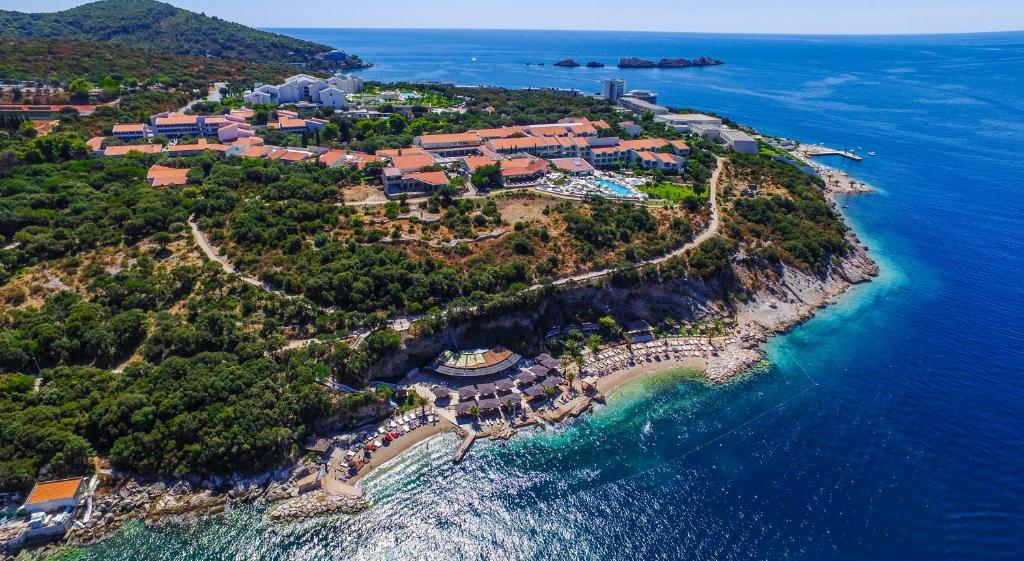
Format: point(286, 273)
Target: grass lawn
point(668, 191)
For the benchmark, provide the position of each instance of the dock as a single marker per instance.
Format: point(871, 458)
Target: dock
point(817, 150)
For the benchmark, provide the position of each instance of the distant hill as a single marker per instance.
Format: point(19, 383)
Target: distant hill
point(162, 27)
point(60, 60)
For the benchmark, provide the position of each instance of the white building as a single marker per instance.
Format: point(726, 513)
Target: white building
point(301, 87)
point(614, 88)
point(333, 97)
point(739, 141)
point(640, 106)
point(685, 122)
point(346, 83)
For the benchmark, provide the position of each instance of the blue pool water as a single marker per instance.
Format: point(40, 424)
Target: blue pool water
point(619, 190)
point(891, 426)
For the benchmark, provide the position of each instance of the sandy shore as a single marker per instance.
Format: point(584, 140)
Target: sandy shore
point(619, 378)
point(381, 456)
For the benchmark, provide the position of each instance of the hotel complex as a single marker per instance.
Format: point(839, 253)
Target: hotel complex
point(331, 92)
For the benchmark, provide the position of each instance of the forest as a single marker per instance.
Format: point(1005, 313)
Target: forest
point(156, 26)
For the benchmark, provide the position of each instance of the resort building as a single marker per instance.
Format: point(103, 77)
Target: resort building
point(162, 176)
point(614, 88)
point(657, 160)
point(518, 171)
point(397, 184)
point(358, 160)
point(306, 88)
point(288, 122)
point(544, 147)
point(739, 141)
point(685, 121)
point(131, 131)
point(333, 97)
point(608, 156)
point(115, 151)
point(640, 106)
point(196, 148)
point(573, 166)
point(643, 95)
point(176, 125)
point(631, 128)
point(459, 144)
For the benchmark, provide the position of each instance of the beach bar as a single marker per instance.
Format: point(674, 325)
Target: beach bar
point(475, 363)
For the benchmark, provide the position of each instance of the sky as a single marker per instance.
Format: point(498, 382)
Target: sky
point(718, 16)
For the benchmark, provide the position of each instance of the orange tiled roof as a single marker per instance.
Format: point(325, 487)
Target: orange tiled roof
point(54, 490)
point(457, 138)
point(644, 143)
point(96, 143)
point(128, 127)
point(331, 157)
point(572, 164)
point(523, 166)
point(161, 176)
point(522, 143)
point(124, 150)
point(391, 153)
point(430, 177)
point(646, 156)
point(177, 120)
point(679, 145)
point(257, 152)
point(476, 162)
point(501, 132)
point(412, 162)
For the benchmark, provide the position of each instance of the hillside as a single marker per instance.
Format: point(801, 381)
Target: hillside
point(162, 27)
point(63, 59)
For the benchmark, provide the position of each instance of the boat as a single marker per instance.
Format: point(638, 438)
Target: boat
point(473, 59)
point(872, 154)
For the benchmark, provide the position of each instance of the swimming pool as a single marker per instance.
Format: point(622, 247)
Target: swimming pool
point(615, 188)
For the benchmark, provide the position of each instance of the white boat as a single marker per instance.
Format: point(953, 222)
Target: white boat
point(872, 154)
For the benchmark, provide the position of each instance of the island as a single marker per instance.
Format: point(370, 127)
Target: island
point(632, 62)
point(567, 63)
point(595, 64)
point(242, 295)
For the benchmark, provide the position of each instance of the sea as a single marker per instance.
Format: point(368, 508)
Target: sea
point(890, 426)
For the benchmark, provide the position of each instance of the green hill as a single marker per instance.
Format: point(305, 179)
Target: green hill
point(162, 27)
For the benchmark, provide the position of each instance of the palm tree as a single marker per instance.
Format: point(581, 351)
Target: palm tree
point(569, 377)
point(474, 411)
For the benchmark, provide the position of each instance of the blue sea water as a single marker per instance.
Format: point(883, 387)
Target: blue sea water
point(891, 426)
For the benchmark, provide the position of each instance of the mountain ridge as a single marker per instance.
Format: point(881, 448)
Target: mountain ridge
point(166, 28)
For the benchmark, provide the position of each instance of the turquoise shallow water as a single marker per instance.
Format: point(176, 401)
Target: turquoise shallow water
point(888, 427)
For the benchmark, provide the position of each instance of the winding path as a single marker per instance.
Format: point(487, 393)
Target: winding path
point(712, 229)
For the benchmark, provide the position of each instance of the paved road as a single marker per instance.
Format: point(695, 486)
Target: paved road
point(212, 95)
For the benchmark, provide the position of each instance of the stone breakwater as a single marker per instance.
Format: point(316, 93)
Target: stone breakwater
point(317, 503)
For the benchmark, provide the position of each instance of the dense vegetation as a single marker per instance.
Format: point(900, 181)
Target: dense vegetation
point(61, 60)
point(151, 25)
point(790, 220)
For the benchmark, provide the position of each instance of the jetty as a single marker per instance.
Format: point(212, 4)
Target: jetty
point(819, 150)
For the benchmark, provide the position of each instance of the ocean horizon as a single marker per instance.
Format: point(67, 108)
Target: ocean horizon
point(889, 426)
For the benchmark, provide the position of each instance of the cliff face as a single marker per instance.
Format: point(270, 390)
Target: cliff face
point(777, 298)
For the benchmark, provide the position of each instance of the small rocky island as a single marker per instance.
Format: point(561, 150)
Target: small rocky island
point(595, 64)
point(633, 62)
point(567, 63)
